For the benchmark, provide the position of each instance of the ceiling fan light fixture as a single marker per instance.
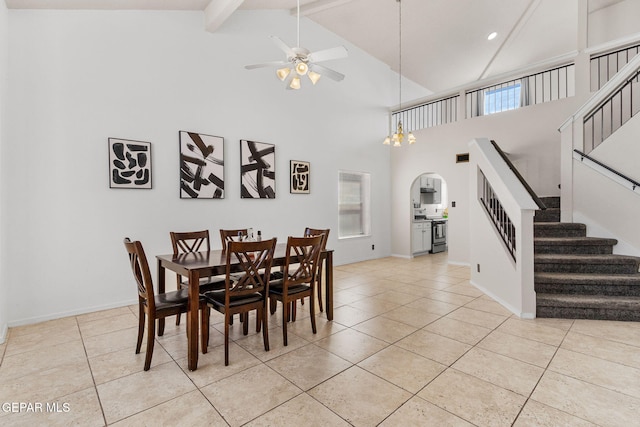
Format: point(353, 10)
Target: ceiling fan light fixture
point(282, 73)
point(301, 68)
point(314, 77)
point(295, 83)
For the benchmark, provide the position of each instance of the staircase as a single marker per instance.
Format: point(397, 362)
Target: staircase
point(579, 277)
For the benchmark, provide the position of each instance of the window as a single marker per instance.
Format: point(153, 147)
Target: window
point(354, 190)
point(502, 99)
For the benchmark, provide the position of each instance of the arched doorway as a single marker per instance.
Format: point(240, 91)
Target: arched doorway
point(429, 200)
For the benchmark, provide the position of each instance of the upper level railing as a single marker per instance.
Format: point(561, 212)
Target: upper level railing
point(434, 113)
point(550, 85)
point(605, 65)
point(612, 112)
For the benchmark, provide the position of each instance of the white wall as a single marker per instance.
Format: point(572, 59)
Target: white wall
point(80, 77)
point(529, 135)
point(4, 44)
point(616, 21)
point(606, 207)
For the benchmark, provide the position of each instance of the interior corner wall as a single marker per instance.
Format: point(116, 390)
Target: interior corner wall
point(528, 135)
point(80, 77)
point(618, 20)
point(4, 47)
point(607, 208)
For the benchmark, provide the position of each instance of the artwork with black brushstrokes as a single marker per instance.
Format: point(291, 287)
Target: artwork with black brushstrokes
point(201, 166)
point(299, 177)
point(257, 170)
point(129, 164)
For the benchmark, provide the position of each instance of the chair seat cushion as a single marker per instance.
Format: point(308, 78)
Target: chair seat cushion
point(216, 298)
point(277, 289)
point(170, 299)
point(207, 284)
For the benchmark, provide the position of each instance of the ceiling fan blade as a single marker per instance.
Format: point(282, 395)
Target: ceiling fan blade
point(334, 75)
point(328, 54)
point(282, 45)
point(266, 64)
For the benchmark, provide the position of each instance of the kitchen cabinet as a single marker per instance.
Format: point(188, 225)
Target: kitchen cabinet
point(427, 182)
point(437, 195)
point(421, 237)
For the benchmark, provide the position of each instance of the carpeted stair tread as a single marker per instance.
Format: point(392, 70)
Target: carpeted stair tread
point(586, 263)
point(586, 278)
point(621, 308)
point(588, 301)
point(586, 259)
point(588, 284)
point(573, 245)
point(559, 229)
point(580, 241)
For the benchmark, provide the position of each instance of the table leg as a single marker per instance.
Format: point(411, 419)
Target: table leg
point(192, 319)
point(328, 280)
point(161, 287)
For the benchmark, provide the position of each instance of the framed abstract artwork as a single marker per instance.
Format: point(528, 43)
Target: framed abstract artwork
point(299, 171)
point(201, 166)
point(257, 170)
point(129, 164)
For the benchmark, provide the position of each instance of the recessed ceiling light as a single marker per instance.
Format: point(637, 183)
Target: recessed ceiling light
point(492, 36)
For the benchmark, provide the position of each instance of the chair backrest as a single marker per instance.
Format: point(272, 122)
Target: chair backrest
point(232, 235)
point(303, 255)
point(190, 241)
point(318, 231)
point(141, 272)
point(248, 267)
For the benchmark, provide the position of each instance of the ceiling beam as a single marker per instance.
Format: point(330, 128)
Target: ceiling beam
point(218, 11)
point(317, 6)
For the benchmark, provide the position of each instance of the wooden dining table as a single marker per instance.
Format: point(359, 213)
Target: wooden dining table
point(195, 265)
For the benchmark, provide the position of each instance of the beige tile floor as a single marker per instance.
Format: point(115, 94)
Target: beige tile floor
point(412, 343)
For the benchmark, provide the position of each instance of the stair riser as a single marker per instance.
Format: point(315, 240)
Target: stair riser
point(575, 249)
point(588, 289)
point(559, 232)
point(551, 202)
point(549, 215)
point(630, 268)
point(588, 313)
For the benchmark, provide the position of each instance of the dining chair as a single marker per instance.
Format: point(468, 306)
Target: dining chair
point(232, 235)
point(246, 287)
point(158, 306)
point(299, 278)
point(193, 241)
point(325, 236)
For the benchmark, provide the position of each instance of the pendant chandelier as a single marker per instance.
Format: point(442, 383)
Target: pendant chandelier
point(398, 136)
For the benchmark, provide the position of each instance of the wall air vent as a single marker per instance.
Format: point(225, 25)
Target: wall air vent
point(462, 158)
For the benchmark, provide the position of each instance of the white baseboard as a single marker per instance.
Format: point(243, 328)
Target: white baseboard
point(504, 304)
point(462, 264)
point(401, 256)
point(59, 315)
point(3, 333)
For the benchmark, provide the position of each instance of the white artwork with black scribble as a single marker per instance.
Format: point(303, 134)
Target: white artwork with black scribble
point(257, 170)
point(201, 166)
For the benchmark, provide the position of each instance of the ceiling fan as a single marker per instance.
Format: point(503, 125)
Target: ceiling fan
point(301, 62)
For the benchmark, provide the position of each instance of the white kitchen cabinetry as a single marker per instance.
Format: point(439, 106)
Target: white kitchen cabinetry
point(421, 237)
point(437, 195)
point(427, 182)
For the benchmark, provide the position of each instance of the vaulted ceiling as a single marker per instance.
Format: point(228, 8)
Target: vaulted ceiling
point(444, 42)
